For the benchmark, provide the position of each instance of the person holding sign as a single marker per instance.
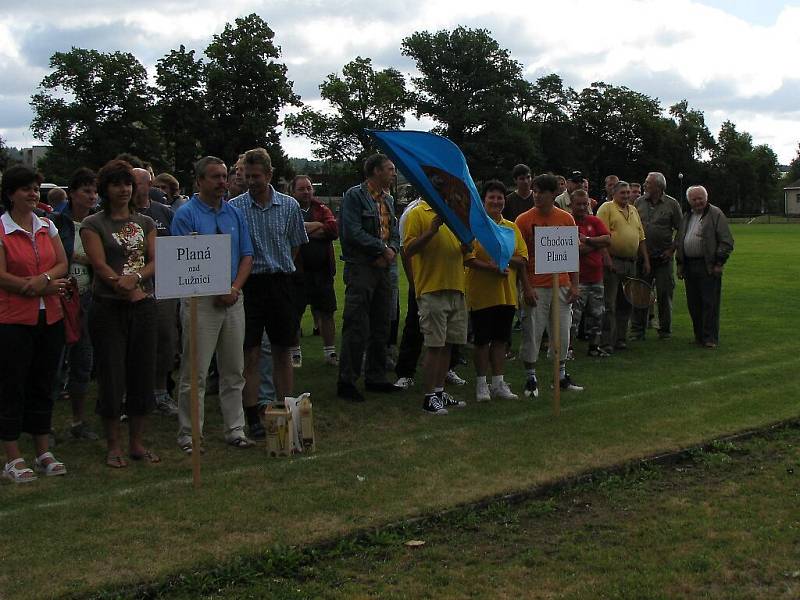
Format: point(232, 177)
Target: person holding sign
point(627, 242)
point(221, 319)
point(276, 228)
point(492, 300)
point(546, 214)
point(120, 244)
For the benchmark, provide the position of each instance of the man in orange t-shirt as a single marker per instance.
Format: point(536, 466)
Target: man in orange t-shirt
point(545, 214)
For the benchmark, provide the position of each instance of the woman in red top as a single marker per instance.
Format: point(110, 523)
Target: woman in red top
point(32, 269)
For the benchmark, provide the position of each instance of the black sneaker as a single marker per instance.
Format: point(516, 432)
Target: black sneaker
point(448, 400)
point(348, 391)
point(531, 388)
point(433, 405)
point(257, 431)
point(567, 384)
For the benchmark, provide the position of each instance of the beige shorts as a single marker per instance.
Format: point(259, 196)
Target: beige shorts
point(443, 318)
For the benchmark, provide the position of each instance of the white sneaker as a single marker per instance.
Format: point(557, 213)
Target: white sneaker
point(404, 382)
point(482, 392)
point(297, 360)
point(331, 360)
point(502, 391)
point(452, 377)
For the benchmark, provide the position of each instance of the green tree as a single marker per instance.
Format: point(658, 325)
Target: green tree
point(794, 169)
point(620, 131)
point(361, 98)
point(182, 111)
point(471, 87)
point(4, 158)
point(246, 88)
point(767, 179)
point(744, 179)
point(93, 106)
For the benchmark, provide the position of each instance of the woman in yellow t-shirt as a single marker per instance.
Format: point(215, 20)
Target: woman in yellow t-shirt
point(492, 300)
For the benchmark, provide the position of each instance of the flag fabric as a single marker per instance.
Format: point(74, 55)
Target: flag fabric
point(437, 169)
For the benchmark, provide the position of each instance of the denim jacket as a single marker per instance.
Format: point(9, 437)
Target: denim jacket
point(359, 229)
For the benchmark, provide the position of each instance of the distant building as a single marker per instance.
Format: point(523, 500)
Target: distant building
point(791, 199)
point(32, 156)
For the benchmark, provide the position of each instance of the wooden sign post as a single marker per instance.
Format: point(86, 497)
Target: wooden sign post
point(556, 252)
point(191, 266)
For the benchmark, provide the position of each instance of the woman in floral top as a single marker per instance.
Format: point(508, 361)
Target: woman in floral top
point(120, 244)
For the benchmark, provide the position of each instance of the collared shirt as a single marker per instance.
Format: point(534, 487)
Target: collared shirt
point(693, 241)
point(660, 220)
point(485, 289)
point(10, 226)
point(197, 217)
point(274, 229)
point(563, 201)
point(383, 210)
point(625, 228)
point(440, 264)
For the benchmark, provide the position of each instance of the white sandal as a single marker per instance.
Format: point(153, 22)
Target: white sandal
point(52, 468)
point(17, 475)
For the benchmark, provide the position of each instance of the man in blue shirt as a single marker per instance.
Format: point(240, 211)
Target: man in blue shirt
point(220, 319)
point(276, 229)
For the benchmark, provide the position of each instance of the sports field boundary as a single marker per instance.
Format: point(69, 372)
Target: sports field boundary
point(284, 561)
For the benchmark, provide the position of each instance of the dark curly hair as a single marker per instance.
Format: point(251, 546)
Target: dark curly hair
point(115, 171)
point(14, 178)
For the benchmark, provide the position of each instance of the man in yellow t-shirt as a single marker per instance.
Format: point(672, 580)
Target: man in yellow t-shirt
point(545, 214)
point(437, 263)
point(492, 300)
point(627, 242)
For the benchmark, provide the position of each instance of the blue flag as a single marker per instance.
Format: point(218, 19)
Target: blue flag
point(437, 168)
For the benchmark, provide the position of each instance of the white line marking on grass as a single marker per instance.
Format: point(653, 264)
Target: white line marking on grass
point(237, 471)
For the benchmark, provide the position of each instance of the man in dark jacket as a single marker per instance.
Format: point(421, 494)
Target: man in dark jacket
point(370, 242)
point(704, 243)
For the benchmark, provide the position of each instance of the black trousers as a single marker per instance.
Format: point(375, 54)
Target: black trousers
point(29, 360)
point(125, 339)
point(365, 323)
point(703, 296)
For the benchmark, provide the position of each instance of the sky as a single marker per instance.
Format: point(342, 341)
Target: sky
point(732, 59)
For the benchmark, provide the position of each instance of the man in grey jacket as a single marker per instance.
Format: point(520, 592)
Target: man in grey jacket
point(661, 216)
point(704, 243)
point(370, 241)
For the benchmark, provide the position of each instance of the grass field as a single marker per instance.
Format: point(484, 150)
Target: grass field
point(386, 460)
point(698, 528)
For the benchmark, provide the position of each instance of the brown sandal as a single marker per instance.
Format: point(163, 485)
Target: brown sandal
point(147, 456)
point(115, 461)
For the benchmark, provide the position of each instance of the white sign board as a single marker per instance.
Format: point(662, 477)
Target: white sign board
point(193, 265)
point(556, 249)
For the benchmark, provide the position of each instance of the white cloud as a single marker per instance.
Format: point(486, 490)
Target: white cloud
point(673, 49)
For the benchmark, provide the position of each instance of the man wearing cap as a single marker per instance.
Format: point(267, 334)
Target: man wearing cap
point(574, 182)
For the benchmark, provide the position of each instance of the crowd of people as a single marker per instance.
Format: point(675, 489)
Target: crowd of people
point(98, 243)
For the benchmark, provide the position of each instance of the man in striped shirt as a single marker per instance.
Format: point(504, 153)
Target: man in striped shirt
point(276, 227)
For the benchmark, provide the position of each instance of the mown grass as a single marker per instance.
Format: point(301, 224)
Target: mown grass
point(721, 524)
point(386, 460)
